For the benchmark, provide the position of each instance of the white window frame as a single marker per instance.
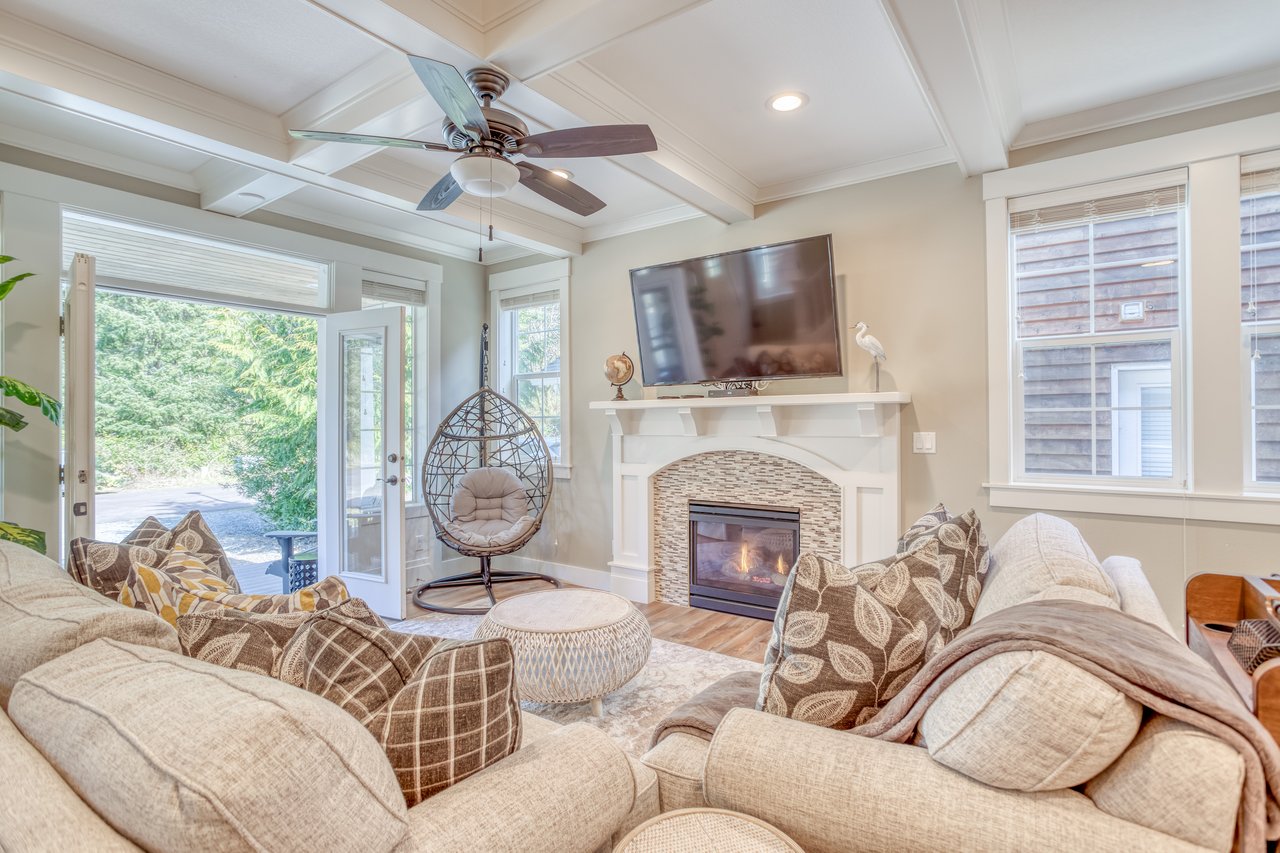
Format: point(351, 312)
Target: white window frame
point(1175, 335)
point(539, 278)
point(1218, 477)
point(1248, 329)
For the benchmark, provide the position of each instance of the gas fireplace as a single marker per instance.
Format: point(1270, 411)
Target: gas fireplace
point(740, 556)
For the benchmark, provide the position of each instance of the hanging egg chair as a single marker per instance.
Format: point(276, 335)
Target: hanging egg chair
point(487, 480)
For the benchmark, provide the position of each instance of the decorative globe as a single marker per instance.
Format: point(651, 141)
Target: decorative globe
point(619, 369)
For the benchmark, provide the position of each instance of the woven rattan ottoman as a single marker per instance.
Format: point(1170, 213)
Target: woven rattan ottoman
point(705, 831)
point(571, 645)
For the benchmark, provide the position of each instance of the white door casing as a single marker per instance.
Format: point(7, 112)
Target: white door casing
point(79, 470)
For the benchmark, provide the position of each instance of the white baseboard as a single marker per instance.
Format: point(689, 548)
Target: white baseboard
point(576, 575)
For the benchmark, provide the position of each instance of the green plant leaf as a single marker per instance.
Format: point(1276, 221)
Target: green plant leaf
point(11, 419)
point(48, 406)
point(8, 284)
point(33, 539)
point(4, 259)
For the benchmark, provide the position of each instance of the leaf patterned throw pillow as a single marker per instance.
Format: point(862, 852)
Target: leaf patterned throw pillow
point(846, 641)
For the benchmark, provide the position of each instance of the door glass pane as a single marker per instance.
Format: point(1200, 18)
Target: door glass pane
point(363, 356)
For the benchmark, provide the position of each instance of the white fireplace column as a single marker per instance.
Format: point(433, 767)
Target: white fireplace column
point(853, 440)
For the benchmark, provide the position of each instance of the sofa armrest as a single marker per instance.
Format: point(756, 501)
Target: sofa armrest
point(833, 792)
point(568, 791)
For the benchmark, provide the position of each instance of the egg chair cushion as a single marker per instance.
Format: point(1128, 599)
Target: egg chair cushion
point(490, 509)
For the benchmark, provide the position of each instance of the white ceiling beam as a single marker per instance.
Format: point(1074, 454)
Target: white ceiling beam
point(235, 190)
point(934, 37)
point(555, 33)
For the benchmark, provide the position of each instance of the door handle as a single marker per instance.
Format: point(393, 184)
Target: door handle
point(392, 480)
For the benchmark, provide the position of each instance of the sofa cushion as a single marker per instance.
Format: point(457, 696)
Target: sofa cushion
point(178, 754)
point(43, 813)
point(846, 641)
point(182, 585)
point(1037, 553)
point(358, 665)
point(1175, 779)
point(456, 715)
point(193, 535)
point(1029, 721)
point(253, 642)
point(45, 614)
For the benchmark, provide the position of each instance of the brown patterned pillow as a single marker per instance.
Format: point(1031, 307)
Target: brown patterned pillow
point(254, 642)
point(352, 663)
point(925, 526)
point(146, 533)
point(456, 716)
point(104, 566)
point(845, 641)
point(192, 535)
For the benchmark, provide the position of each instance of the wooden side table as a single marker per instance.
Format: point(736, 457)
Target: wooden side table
point(1215, 603)
point(706, 831)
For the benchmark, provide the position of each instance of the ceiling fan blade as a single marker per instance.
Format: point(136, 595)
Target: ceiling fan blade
point(605, 140)
point(562, 191)
point(361, 139)
point(443, 194)
point(452, 93)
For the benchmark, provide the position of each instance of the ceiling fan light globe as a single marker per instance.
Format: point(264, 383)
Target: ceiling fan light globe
point(484, 176)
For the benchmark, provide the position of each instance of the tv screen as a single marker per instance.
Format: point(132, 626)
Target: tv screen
point(752, 314)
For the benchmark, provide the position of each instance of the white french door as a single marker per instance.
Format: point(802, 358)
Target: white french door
point(79, 473)
point(361, 444)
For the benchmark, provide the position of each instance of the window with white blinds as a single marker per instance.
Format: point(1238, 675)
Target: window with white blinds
point(145, 258)
point(1260, 307)
point(1097, 285)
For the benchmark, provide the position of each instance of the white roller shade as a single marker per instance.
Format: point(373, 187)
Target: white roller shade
point(545, 297)
point(145, 258)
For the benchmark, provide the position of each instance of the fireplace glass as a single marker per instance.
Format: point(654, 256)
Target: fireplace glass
point(740, 556)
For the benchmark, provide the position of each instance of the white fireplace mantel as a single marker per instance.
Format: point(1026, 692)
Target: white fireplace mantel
point(851, 439)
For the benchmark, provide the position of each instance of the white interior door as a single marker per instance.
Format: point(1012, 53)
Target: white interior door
point(79, 473)
point(361, 438)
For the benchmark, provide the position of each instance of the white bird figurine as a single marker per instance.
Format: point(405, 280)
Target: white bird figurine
point(870, 344)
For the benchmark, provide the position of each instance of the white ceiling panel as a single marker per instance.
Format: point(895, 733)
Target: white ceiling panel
point(711, 71)
point(1089, 53)
point(266, 53)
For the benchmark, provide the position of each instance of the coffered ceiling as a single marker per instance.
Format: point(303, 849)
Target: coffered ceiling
point(199, 95)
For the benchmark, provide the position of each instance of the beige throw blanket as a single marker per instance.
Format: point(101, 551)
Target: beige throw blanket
point(1137, 659)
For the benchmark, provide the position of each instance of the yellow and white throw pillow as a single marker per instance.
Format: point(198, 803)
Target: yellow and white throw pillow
point(182, 584)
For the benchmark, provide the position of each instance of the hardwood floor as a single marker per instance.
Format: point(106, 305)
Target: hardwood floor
point(736, 636)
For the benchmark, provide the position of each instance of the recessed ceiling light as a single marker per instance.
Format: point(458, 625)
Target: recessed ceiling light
point(1156, 264)
point(788, 101)
point(564, 173)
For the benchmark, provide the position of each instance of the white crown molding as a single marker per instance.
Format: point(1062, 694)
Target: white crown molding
point(857, 174)
point(74, 152)
point(641, 222)
point(1159, 105)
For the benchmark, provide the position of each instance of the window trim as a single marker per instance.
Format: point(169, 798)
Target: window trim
point(1219, 486)
point(539, 278)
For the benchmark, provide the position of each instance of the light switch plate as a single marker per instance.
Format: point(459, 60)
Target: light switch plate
point(924, 442)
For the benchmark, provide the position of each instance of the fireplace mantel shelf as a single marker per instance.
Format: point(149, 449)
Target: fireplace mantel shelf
point(689, 416)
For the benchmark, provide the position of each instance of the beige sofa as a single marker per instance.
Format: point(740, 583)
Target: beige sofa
point(1026, 752)
point(112, 740)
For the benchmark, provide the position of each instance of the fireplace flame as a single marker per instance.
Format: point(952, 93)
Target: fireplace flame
point(742, 559)
point(782, 567)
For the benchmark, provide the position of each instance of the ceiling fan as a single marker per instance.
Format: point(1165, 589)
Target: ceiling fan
point(487, 138)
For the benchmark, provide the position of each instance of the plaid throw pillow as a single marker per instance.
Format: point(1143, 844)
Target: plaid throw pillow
point(353, 663)
point(253, 642)
point(846, 641)
point(456, 716)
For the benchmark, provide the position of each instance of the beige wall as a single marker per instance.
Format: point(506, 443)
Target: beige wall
point(910, 262)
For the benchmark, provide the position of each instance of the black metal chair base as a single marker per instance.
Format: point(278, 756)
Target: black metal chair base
point(485, 577)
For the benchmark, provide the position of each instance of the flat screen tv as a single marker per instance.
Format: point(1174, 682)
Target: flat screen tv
point(742, 316)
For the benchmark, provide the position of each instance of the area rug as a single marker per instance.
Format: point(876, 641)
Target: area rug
point(673, 674)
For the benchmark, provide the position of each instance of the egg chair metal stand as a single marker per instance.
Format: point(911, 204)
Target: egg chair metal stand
point(485, 431)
